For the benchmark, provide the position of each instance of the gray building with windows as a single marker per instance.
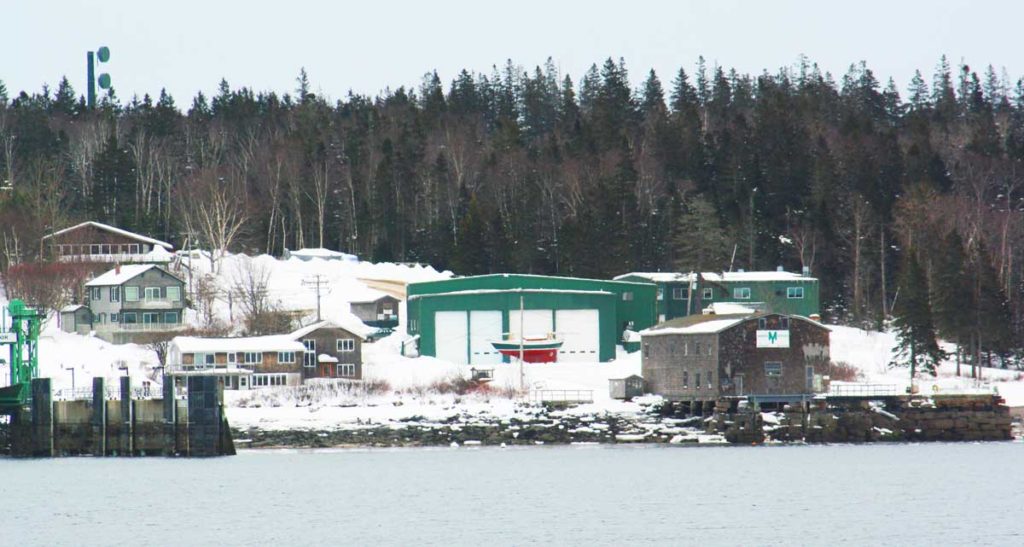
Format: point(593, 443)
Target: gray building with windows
point(130, 303)
point(765, 357)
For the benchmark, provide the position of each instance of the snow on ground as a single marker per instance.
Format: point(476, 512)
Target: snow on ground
point(870, 352)
point(285, 283)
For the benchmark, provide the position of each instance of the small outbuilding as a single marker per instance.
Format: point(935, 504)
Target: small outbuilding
point(76, 318)
point(626, 388)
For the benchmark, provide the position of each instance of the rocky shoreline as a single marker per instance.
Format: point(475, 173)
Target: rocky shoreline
point(946, 419)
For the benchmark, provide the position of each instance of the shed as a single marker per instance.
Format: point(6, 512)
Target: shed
point(626, 388)
point(76, 318)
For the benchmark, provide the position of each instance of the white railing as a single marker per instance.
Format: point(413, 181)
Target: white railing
point(113, 257)
point(562, 396)
point(139, 327)
point(863, 390)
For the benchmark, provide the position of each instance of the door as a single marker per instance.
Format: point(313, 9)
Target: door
point(243, 382)
point(580, 331)
point(536, 323)
point(451, 336)
point(484, 326)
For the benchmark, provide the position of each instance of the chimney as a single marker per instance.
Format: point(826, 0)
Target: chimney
point(117, 268)
point(806, 271)
point(779, 269)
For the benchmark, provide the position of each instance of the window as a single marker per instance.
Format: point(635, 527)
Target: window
point(696, 380)
point(710, 381)
point(94, 249)
point(101, 318)
point(170, 317)
point(627, 296)
point(265, 380)
point(696, 348)
point(152, 293)
point(309, 357)
point(133, 248)
point(686, 348)
point(346, 370)
point(115, 294)
point(784, 323)
point(128, 317)
point(150, 318)
point(113, 318)
point(762, 323)
point(678, 293)
point(253, 357)
point(794, 292)
point(346, 345)
point(741, 293)
point(204, 360)
point(773, 369)
point(105, 249)
point(647, 350)
point(286, 357)
point(661, 293)
point(232, 358)
point(174, 294)
point(686, 378)
point(708, 294)
point(131, 294)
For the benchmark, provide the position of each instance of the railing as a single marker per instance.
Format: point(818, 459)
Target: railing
point(112, 391)
point(562, 396)
point(139, 327)
point(113, 257)
point(237, 368)
point(864, 390)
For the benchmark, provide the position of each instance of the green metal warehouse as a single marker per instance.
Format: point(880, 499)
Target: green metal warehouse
point(456, 319)
point(775, 291)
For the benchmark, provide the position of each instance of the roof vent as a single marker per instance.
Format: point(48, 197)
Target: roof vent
point(806, 271)
point(779, 269)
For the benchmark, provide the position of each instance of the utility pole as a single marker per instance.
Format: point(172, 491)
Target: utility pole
point(316, 282)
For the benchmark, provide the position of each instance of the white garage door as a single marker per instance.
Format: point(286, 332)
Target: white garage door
point(450, 336)
point(535, 322)
point(484, 326)
point(581, 331)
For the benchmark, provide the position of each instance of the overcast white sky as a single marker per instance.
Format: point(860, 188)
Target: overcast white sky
point(188, 45)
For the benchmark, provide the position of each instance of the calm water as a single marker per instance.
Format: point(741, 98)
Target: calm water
point(948, 494)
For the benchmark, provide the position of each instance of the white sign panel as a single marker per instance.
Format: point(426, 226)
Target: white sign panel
point(773, 338)
point(8, 337)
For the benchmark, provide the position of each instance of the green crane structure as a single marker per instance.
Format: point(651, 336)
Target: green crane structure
point(23, 342)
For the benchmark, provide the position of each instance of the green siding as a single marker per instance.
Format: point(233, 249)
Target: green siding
point(426, 298)
point(771, 293)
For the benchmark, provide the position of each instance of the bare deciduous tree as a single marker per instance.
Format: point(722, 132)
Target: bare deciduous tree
point(213, 210)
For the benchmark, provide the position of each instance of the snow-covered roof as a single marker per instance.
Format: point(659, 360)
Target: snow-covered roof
point(703, 327)
point(659, 277)
point(113, 230)
point(728, 308)
point(276, 342)
point(667, 277)
point(358, 330)
point(159, 254)
point(71, 308)
point(365, 295)
point(320, 252)
point(124, 273)
point(495, 291)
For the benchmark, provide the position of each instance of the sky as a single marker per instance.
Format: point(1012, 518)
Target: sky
point(188, 45)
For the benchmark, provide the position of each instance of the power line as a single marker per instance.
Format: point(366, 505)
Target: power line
point(316, 282)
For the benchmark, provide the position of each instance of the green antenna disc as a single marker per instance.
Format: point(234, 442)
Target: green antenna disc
point(105, 80)
point(103, 54)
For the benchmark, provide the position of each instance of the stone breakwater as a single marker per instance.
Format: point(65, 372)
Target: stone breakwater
point(906, 420)
point(543, 425)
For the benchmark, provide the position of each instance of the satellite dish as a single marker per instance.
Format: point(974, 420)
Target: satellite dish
point(103, 54)
point(105, 80)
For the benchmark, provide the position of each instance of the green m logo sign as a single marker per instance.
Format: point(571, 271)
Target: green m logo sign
point(773, 337)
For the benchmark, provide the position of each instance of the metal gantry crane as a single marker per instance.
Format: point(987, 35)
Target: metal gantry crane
point(23, 341)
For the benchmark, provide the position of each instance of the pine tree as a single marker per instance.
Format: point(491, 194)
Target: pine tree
point(64, 100)
point(302, 80)
point(699, 242)
point(948, 297)
point(918, 91)
point(917, 346)
point(3, 94)
point(653, 96)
